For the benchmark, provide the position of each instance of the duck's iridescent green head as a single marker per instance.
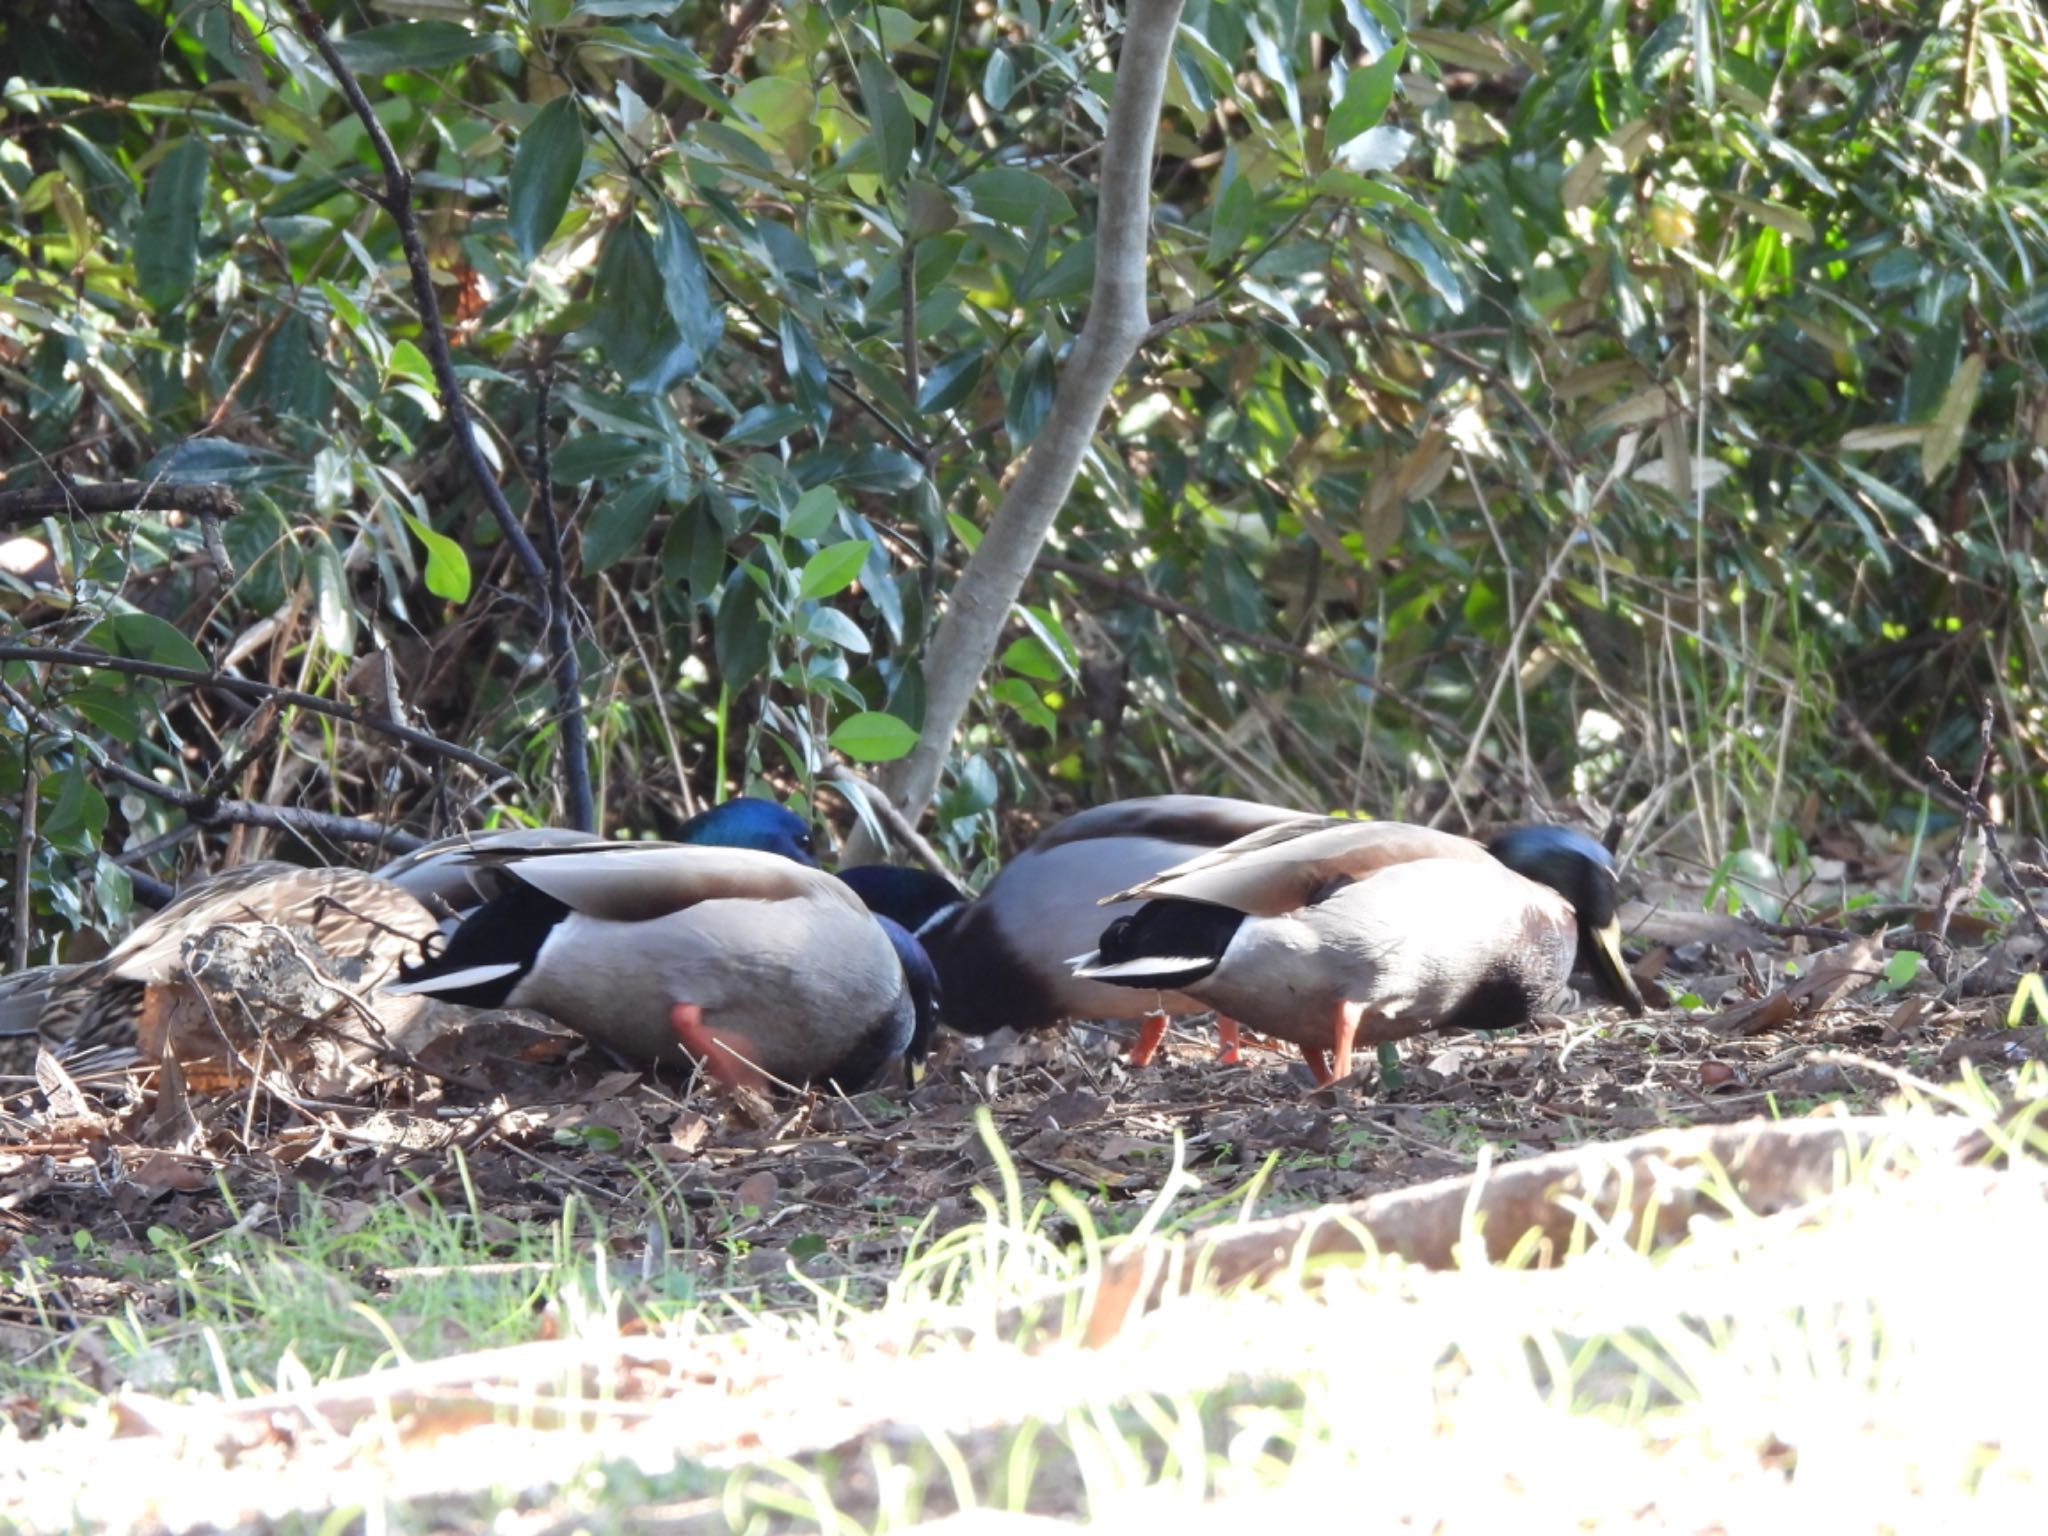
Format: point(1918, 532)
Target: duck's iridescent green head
point(747, 822)
point(1582, 872)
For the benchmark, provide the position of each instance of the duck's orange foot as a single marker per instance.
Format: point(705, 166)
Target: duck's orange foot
point(1151, 1031)
point(726, 1055)
point(1332, 1063)
point(1228, 1039)
point(1318, 1060)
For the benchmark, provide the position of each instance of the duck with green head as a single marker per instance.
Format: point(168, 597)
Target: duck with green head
point(1331, 933)
point(731, 949)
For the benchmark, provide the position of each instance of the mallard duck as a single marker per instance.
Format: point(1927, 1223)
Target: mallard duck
point(1003, 958)
point(747, 962)
point(441, 875)
point(95, 1007)
point(1328, 932)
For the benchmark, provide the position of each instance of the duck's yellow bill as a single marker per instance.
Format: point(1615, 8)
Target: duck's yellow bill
point(1612, 969)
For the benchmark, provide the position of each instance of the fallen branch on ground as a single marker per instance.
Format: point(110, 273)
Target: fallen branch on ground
point(1647, 1190)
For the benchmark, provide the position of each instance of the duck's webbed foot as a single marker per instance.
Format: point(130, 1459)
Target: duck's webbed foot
point(1229, 1037)
point(727, 1056)
point(1151, 1031)
point(1332, 1063)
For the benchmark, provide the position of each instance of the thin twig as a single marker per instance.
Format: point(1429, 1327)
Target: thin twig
point(575, 736)
point(1955, 890)
point(1980, 815)
point(25, 851)
point(249, 688)
point(397, 203)
point(899, 825)
point(1268, 643)
point(1510, 665)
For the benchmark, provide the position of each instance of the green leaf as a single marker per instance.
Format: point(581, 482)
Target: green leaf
point(833, 569)
point(828, 626)
point(1367, 94)
point(1028, 655)
point(409, 362)
point(409, 45)
point(167, 245)
point(1411, 242)
point(815, 511)
point(967, 532)
point(741, 634)
point(951, 380)
point(73, 813)
point(769, 422)
point(334, 607)
point(1053, 636)
point(1030, 395)
point(999, 80)
point(600, 456)
point(1070, 276)
point(884, 471)
point(447, 572)
point(1018, 198)
point(873, 737)
point(889, 120)
point(1945, 432)
point(2031, 996)
point(112, 711)
point(544, 173)
point(1231, 221)
point(145, 637)
point(619, 525)
point(777, 102)
point(686, 295)
point(1900, 970)
point(652, 316)
point(1023, 698)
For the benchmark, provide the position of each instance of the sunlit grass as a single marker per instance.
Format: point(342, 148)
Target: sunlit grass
point(1765, 1368)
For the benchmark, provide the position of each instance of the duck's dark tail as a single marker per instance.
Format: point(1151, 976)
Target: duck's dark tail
point(490, 953)
point(1165, 944)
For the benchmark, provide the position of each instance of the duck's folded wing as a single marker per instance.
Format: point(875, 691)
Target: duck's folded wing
point(1285, 868)
point(638, 882)
point(437, 870)
point(1199, 821)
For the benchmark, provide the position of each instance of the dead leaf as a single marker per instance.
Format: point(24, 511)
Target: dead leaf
point(1833, 975)
point(163, 1172)
point(758, 1190)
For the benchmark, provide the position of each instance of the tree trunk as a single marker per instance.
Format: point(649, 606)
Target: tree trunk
point(980, 604)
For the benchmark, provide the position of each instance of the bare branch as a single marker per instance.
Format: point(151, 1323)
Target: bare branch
point(249, 688)
point(397, 202)
point(900, 826)
point(568, 670)
point(27, 506)
point(1647, 1188)
point(966, 640)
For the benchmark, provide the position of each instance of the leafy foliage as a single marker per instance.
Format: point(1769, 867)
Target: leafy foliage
point(1595, 401)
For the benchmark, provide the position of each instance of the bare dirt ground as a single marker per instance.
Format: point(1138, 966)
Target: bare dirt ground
point(700, 1194)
